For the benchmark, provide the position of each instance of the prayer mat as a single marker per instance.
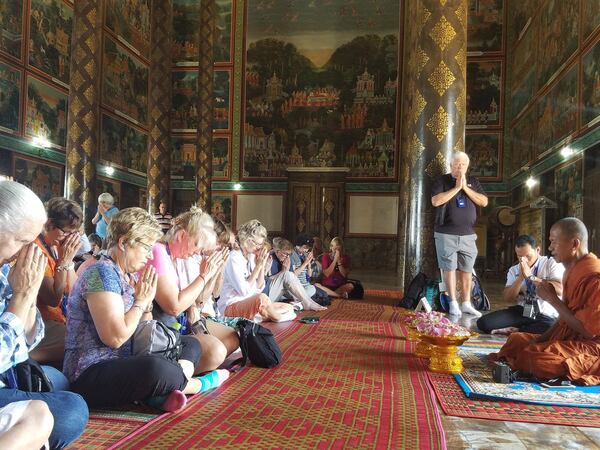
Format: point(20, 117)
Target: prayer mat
point(477, 383)
point(105, 427)
point(342, 383)
point(383, 293)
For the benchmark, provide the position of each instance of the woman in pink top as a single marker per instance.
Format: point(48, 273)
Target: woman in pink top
point(179, 291)
point(336, 267)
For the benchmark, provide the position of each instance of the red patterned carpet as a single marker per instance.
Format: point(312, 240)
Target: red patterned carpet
point(344, 383)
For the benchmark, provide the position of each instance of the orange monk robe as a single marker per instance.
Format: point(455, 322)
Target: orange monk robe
point(565, 353)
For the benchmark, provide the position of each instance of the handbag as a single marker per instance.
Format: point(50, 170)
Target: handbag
point(152, 337)
point(358, 291)
point(30, 377)
point(258, 345)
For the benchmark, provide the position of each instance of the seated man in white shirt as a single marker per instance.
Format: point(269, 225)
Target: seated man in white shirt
point(531, 313)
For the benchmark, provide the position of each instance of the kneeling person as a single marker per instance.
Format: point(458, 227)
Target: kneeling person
point(532, 313)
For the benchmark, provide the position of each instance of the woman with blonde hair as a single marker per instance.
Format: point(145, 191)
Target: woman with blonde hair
point(336, 267)
point(105, 307)
point(184, 282)
point(244, 279)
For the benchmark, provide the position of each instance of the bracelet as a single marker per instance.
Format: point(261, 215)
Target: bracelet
point(65, 267)
point(203, 279)
point(141, 308)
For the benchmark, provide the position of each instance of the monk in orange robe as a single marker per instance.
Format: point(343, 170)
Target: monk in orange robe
point(571, 348)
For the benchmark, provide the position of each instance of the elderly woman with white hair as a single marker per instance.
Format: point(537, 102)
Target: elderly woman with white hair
point(106, 209)
point(22, 216)
point(184, 282)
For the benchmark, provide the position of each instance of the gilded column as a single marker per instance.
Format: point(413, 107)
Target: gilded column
point(205, 104)
point(159, 104)
point(434, 104)
point(83, 119)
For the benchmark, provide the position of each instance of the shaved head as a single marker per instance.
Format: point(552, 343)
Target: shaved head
point(573, 228)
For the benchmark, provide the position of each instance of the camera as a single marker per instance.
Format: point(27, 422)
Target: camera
point(530, 308)
point(502, 373)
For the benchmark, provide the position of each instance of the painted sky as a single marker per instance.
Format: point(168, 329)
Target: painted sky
point(318, 27)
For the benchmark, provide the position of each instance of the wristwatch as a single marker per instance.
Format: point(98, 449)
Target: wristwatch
point(533, 278)
point(65, 267)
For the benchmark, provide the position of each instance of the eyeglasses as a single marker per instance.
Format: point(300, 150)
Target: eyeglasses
point(147, 247)
point(254, 243)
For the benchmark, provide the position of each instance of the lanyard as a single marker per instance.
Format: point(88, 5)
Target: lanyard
point(531, 291)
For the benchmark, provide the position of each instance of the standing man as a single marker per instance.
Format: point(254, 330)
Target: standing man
point(456, 197)
point(163, 217)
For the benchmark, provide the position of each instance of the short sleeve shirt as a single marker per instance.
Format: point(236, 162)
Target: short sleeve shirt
point(336, 279)
point(457, 221)
point(83, 346)
point(101, 225)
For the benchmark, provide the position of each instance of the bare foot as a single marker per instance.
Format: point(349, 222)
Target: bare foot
point(507, 330)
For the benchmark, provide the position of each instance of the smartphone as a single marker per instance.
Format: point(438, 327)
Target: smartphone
point(310, 319)
point(557, 384)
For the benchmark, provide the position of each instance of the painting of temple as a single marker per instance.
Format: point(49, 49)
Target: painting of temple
point(41, 177)
point(485, 19)
point(221, 99)
point(50, 27)
point(184, 114)
point(10, 97)
point(11, 27)
point(484, 152)
point(591, 85)
point(123, 145)
point(131, 21)
point(183, 157)
point(125, 82)
point(321, 86)
point(46, 112)
point(186, 26)
point(484, 96)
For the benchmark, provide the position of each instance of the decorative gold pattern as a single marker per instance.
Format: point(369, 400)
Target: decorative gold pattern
point(460, 144)
point(461, 106)
point(440, 123)
point(443, 2)
point(425, 15)
point(441, 78)
point(461, 13)
point(422, 60)
point(442, 33)
point(419, 104)
point(461, 60)
point(436, 166)
point(415, 149)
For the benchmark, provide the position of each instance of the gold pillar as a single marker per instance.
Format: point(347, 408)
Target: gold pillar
point(205, 104)
point(159, 104)
point(434, 104)
point(83, 119)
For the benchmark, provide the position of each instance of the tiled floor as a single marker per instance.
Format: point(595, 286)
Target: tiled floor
point(464, 433)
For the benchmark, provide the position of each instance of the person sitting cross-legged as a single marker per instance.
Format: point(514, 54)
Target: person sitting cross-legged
point(571, 348)
point(531, 313)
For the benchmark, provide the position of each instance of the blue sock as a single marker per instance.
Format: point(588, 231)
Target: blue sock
point(213, 379)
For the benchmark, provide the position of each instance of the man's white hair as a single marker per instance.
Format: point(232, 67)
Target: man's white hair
point(459, 154)
point(19, 205)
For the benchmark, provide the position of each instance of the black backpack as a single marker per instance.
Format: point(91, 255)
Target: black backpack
point(258, 345)
point(31, 377)
point(480, 301)
point(417, 289)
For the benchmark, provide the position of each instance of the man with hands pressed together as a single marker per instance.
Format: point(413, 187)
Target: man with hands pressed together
point(531, 313)
point(456, 198)
point(571, 348)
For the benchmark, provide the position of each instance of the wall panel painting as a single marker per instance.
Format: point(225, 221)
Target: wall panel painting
point(42, 177)
point(522, 93)
point(591, 86)
point(125, 82)
point(221, 207)
point(11, 27)
point(569, 189)
point(186, 23)
point(321, 86)
point(221, 102)
point(520, 13)
point(184, 115)
point(590, 16)
point(50, 27)
point(523, 141)
point(183, 157)
point(558, 36)
point(123, 145)
point(143, 198)
point(485, 20)
point(46, 112)
point(224, 14)
point(485, 152)
point(113, 187)
point(10, 98)
point(484, 96)
point(130, 21)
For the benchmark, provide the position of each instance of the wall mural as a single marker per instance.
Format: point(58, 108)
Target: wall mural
point(557, 112)
point(590, 16)
point(183, 157)
point(558, 18)
point(50, 26)
point(524, 70)
point(10, 97)
point(221, 207)
point(520, 13)
point(42, 177)
point(591, 85)
point(123, 145)
point(184, 116)
point(221, 102)
point(484, 27)
point(186, 25)
point(485, 153)
point(130, 21)
point(484, 96)
point(125, 82)
point(321, 86)
point(569, 189)
point(523, 141)
point(11, 27)
point(46, 112)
